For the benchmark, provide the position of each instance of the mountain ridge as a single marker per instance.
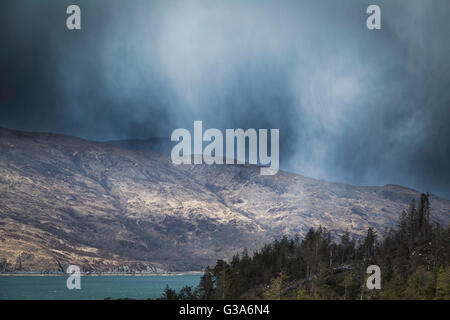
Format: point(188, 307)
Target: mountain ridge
point(66, 200)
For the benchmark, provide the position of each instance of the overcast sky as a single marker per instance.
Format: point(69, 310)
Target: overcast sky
point(352, 105)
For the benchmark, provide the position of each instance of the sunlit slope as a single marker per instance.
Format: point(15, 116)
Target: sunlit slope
point(65, 200)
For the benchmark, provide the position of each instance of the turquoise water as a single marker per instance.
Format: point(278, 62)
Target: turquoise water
point(92, 287)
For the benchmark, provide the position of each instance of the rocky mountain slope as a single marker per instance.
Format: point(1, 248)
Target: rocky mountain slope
point(65, 200)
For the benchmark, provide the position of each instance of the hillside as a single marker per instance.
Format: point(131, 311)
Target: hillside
point(65, 200)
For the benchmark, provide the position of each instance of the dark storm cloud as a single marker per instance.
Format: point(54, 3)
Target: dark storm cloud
point(352, 105)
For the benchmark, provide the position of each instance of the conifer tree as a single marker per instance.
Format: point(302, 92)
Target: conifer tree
point(420, 285)
point(275, 290)
point(443, 284)
point(205, 289)
point(223, 276)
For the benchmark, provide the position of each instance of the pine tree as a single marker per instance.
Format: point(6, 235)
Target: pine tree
point(369, 244)
point(222, 273)
point(169, 294)
point(347, 283)
point(420, 284)
point(321, 289)
point(205, 289)
point(275, 290)
point(186, 294)
point(393, 289)
point(443, 284)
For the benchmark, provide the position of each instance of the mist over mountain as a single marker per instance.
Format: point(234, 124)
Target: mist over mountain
point(162, 145)
point(365, 107)
point(66, 200)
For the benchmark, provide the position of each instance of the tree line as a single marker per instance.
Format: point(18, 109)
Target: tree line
point(414, 258)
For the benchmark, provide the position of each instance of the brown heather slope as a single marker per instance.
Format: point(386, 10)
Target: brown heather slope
point(64, 200)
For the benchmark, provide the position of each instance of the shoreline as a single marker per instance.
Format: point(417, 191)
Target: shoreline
point(100, 274)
